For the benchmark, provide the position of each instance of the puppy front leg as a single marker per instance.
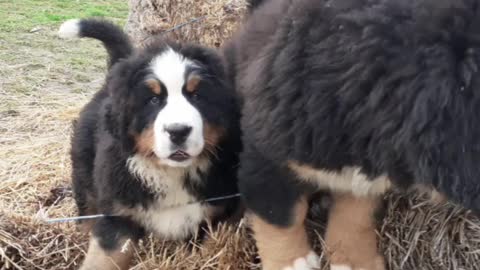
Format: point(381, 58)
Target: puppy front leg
point(109, 259)
point(286, 247)
point(112, 244)
point(350, 236)
point(277, 206)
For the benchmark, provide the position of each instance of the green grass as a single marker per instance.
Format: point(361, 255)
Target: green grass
point(36, 64)
point(24, 15)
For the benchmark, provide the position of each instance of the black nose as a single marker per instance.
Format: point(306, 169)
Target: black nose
point(178, 133)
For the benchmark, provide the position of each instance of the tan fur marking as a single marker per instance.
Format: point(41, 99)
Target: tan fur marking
point(212, 135)
point(437, 198)
point(145, 141)
point(154, 86)
point(433, 196)
point(192, 83)
point(280, 247)
point(348, 180)
point(100, 259)
point(350, 236)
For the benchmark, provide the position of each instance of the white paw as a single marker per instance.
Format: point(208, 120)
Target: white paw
point(340, 267)
point(343, 267)
point(309, 262)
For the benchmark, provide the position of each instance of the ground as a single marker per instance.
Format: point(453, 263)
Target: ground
point(44, 81)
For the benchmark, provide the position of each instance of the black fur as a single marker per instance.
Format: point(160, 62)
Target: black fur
point(115, 40)
point(389, 86)
point(103, 136)
point(254, 4)
point(114, 230)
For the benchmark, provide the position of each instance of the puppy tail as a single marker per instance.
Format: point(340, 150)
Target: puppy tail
point(114, 39)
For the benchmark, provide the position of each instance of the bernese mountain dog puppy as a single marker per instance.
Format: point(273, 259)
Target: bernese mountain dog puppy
point(153, 144)
point(355, 97)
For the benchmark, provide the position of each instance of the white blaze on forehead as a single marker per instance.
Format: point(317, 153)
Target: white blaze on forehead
point(170, 68)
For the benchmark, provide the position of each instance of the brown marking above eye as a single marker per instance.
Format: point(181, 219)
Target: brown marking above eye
point(154, 86)
point(192, 83)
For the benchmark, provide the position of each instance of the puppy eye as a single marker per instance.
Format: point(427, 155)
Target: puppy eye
point(192, 85)
point(194, 95)
point(155, 100)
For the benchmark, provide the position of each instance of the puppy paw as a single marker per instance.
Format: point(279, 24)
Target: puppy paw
point(309, 262)
point(374, 264)
point(340, 267)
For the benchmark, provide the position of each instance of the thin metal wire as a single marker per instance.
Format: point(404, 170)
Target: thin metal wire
point(183, 24)
point(222, 198)
point(69, 219)
point(176, 27)
point(56, 220)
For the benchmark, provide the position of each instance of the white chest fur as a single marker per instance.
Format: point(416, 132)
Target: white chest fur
point(169, 217)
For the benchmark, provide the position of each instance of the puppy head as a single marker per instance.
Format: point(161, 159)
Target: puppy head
point(171, 103)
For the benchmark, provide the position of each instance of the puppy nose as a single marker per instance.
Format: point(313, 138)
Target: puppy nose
point(178, 133)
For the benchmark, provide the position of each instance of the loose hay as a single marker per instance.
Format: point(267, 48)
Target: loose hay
point(35, 126)
point(217, 19)
point(28, 244)
point(418, 235)
point(414, 235)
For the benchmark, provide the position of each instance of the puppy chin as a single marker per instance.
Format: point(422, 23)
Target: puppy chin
point(188, 158)
point(178, 164)
point(165, 160)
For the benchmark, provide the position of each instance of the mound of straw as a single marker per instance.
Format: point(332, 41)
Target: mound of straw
point(35, 179)
point(208, 22)
point(413, 235)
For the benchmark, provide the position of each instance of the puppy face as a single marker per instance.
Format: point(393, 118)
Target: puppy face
point(176, 107)
point(178, 127)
